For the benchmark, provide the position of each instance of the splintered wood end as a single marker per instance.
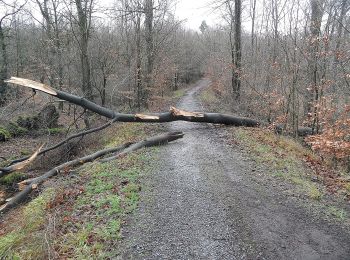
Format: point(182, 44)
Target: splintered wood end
point(178, 112)
point(32, 84)
point(21, 165)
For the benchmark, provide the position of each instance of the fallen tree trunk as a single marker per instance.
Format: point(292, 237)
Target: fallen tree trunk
point(81, 134)
point(173, 115)
point(149, 142)
point(31, 184)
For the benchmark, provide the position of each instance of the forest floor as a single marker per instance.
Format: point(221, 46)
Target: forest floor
point(207, 197)
point(219, 193)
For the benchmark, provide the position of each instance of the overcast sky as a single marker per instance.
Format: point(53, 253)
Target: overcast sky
point(195, 11)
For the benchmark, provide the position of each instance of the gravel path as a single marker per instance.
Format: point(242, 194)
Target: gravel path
point(206, 201)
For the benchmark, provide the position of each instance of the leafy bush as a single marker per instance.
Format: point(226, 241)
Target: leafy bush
point(334, 141)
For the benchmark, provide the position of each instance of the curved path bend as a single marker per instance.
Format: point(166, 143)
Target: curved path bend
point(205, 200)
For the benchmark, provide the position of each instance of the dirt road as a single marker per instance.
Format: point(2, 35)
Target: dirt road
point(207, 201)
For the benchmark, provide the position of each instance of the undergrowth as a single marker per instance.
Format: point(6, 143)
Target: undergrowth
point(283, 156)
point(81, 215)
point(91, 224)
point(289, 160)
point(27, 239)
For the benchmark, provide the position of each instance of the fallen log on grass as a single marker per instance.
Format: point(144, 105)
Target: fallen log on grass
point(173, 115)
point(149, 142)
point(28, 185)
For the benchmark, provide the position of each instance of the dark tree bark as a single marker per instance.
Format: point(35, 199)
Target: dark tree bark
point(238, 50)
point(315, 31)
point(3, 66)
point(84, 10)
point(139, 89)
point(149, 48)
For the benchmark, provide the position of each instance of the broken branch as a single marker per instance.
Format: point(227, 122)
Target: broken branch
point(81, 134)
point(33, 183)
point(20, 165)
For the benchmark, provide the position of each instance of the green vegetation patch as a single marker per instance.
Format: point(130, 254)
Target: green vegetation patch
point(81, 217)
point(55, 131)
point(337, 213)
point(16, 130)
point(111, 191)
point(128, 132)
point(4, 134)
point(12, 178)
point(27, 240)
point(283, 156)
point(179, 93)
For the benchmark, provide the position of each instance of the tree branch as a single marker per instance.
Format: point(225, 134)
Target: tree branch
point(170, 116)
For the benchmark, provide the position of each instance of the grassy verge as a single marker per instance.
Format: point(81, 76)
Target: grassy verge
point(90, 226)
point(27, 240)
point(282, 155)
point(285, 160)
point(211, 101)
point(80, 215)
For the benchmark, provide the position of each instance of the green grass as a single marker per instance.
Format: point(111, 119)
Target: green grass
point(112, 190)
point(55, 131)
point(12, 178)
point(283, 156)
point(179, 93)
point(128, 132)
point(338, 213)
point(4, 134)
point(26, 240)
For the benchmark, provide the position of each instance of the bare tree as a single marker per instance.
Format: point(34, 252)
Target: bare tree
point(238, 50)
point(148, 9)
point(9, 9)
point(84, 14)
point(314, 49)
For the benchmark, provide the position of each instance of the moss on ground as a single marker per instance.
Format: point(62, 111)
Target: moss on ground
point(12, 178)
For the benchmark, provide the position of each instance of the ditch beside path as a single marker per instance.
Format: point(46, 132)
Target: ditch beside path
point(205, 200)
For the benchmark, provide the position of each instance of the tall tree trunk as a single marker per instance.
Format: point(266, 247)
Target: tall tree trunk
point(149, 48)
point(3, 67)
point(138, 89)
point(253, 26)
point(314, 44)
point(238, 50)
point(84, 14)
